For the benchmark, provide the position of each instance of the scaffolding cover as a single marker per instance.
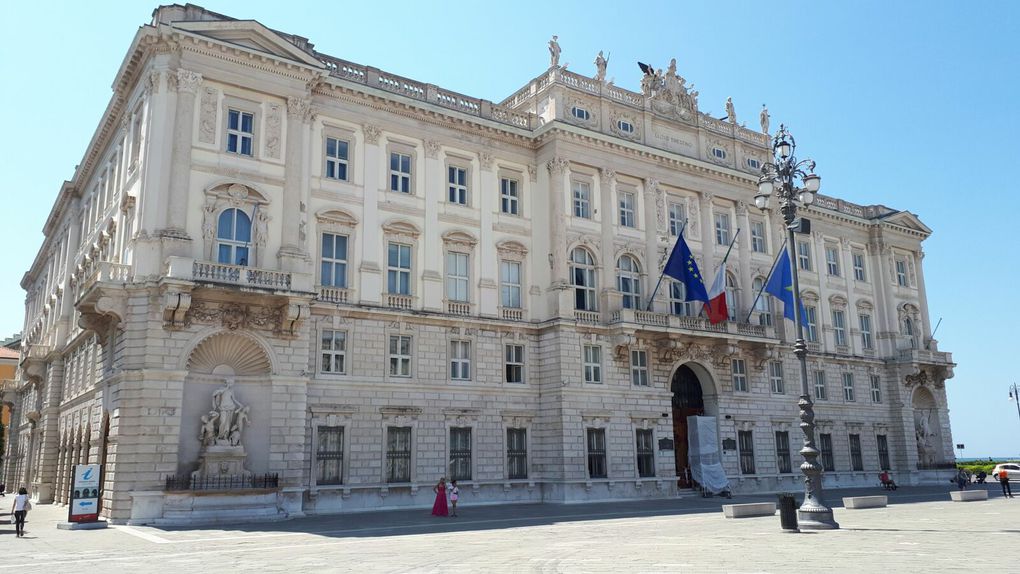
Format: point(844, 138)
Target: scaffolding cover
point(703, 454)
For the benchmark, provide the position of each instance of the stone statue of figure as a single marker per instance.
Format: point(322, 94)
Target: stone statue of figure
point(238, 428)
point(924, 440)
point(648, 82)
point(208, 433)
point(764, 117)
point(554, 52)
point(225, 404)
point(601, 63)
point(731, 114)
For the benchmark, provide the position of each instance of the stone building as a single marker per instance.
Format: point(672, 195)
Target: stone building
point(333, 285)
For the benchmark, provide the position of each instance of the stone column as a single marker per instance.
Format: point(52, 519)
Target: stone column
point(431, 260)
point(487, 201)
point(560, 284)
point(186, 83)
point(293, 254)
point(372, 286)
point(654, 223)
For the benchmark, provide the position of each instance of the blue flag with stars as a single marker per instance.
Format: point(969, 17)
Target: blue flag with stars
point(682, 267)
point(780, 286)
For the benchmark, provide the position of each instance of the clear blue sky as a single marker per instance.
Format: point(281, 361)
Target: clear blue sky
point(910, 104)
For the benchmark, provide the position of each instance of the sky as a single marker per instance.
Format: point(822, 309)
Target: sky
point(908, 104)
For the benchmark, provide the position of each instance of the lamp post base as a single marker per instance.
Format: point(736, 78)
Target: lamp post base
point(816, 520)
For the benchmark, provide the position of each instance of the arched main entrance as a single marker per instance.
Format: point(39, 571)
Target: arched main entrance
point(688, 400)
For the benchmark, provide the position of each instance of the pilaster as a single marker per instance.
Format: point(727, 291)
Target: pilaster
point(174, 231)
point(293, 254)
point(654, 223)
point(371, 288)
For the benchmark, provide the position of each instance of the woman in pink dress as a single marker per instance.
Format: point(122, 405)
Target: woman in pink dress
point(440, 508)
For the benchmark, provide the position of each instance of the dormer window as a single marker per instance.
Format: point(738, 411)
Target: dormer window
point(719, 153)
point(625, 126)
point(752, 163)
point(580, 113)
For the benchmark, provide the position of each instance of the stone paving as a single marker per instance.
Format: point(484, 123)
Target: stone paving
point(920, 531)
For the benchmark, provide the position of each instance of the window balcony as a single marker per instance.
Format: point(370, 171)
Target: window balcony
point(652, 321)
point(511, 313)
point(241, 276)
point(458, 308)
point(587, 317)
point(336, 295)
point(399, 301)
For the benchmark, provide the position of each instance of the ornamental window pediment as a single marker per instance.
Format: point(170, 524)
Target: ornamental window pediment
point(401, 229)
point(337, 219)
point(512, 250)
point(837, 302)
point(458, 238)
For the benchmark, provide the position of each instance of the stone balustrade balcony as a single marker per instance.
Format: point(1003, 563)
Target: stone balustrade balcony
point(663, 322)
point(241, 276)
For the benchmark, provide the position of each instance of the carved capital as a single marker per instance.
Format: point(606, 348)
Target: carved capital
point(186, 81)
point(299, 108)
point(706, 197)
point(372, 133)
point(486, 160)
point(532, 173)
point(432, 148)
point(607, 175)
point(651, 186)
point(557, 166)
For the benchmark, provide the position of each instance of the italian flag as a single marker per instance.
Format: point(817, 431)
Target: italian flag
point(716, 309)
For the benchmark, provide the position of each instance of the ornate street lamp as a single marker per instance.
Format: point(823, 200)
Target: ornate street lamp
point(780, 178)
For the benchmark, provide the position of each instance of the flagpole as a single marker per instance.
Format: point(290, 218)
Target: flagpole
point(767, 277)
point(721, 267)
point(663, 272)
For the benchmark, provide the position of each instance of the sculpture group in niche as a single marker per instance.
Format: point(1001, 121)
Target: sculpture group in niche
point(925, 439)
point(669, 93)
point(224, 425)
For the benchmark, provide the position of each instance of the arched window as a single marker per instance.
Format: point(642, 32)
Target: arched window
point(731, 297)
point(629, 281)
point(908, 330)
point(233, 236)
point(582, 277)
point(763, 306)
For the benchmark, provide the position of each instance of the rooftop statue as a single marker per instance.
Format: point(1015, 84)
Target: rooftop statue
point(554, 52)
point(601, 63)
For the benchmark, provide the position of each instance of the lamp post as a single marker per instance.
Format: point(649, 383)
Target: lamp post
point(780, 178)
point(1014, 393)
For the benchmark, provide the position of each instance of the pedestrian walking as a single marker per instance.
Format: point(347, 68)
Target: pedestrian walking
point(20, 510)
point(454, 497)
point(439, 507)
point(1007, 492)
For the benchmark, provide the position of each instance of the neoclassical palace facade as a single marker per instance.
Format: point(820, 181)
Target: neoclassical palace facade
point(281, 283)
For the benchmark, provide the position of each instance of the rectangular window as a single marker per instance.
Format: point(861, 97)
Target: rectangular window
point(776, 377)
point(883, 452)
point(820, 392)
point(745, 446)
point(333, 266)
point(848, 387)
point(677, 304)
point(739, 370)
point(400, 172)
point(517, 454)
point(901, 273)
point(858, 259)
point(398, 454)
point(514, 363)
point(825, 448)
point(240, 132)
point(645, 453)
point(856, 460)
point(334, 352)
point(400, 356)
point(457, 276)
point(457, 191)
point(757, 237)
point(677, 217)
point(582, 199)
point(592, 364)
point(783, 452)
point(804, 255)
point(329, 455)
point(865, 321)
point(722, 229)
point(336, 158)
point(811, 315)
point(398, 260)
point(627, 203)
point(832, 260)
point(597, 453)
point(510, 284)
point(639, 368)
point(460, 360)
point(839, 328)
point(876, 389)
point(460, 454)
point(509, 198)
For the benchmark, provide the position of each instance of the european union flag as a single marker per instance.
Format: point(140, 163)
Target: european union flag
point(682, 267)
point(780, 286)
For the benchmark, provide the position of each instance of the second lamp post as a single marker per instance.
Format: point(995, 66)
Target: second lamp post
point(780, 178)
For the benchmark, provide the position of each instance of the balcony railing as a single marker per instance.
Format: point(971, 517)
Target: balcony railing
point(105, 272)
point(334, 294)
point(924, 356)
point(511, 314)
point(238, 275)
point(587, 317)
point(398, 301)
point(667, 321)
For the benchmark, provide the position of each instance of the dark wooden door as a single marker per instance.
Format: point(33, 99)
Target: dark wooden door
point(687, 401)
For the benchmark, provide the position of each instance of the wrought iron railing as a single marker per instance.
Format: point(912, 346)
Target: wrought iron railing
point(229, 482)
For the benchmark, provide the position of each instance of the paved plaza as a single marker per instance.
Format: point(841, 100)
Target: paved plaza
point(920, 531)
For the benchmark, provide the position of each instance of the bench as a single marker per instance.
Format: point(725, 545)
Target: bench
point(968, 495)
point(748, 510)
point(855, 502)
